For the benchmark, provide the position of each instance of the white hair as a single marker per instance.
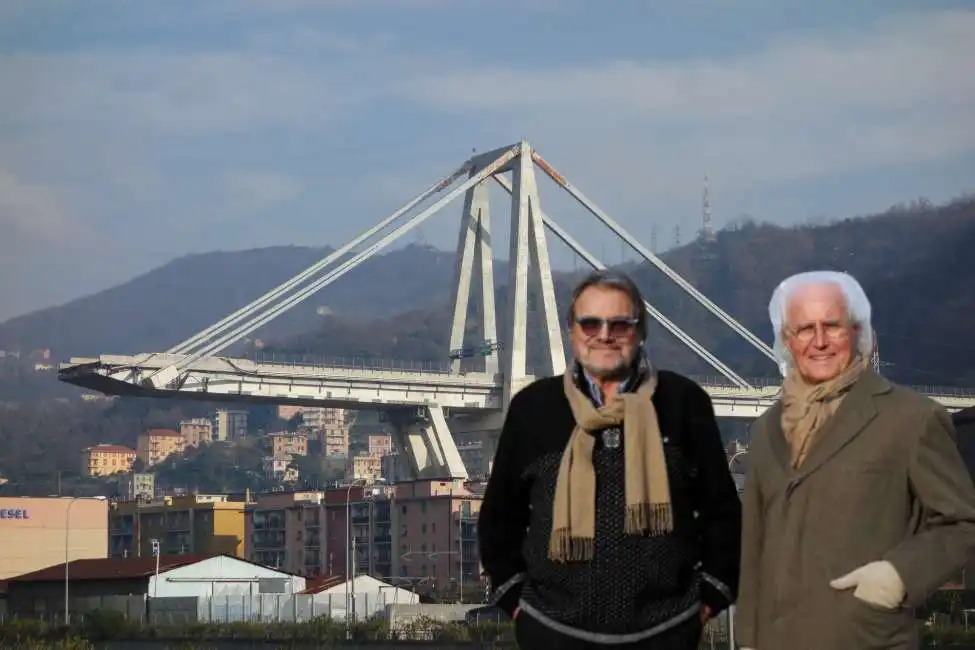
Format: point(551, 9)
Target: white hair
point(857, 306)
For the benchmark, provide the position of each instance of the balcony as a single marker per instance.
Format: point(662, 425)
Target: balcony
point(268, 539)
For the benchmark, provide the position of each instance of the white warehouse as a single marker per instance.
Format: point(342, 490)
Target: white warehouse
point(173, 589)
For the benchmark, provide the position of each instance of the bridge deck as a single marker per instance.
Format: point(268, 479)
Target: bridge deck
point(354, 384)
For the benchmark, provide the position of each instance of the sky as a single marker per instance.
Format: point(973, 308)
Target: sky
point(134, 132)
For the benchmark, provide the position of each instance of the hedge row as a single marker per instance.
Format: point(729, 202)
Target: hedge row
point(107, 625)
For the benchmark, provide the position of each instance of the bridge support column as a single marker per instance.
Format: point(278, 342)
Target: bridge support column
point(424, 441)
point(529, 266)
point(474, 251)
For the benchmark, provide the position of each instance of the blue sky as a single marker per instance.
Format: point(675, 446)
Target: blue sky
point(134, 132)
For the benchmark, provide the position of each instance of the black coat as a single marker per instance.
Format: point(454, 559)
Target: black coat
point(634, 585)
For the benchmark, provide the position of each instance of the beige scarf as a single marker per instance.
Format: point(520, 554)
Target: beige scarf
point(806, 407)
point(648, 507)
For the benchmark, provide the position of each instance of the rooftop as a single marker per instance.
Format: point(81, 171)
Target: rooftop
point(318, 585)
point(117, 449)
point(110, 568)
point(162, 433)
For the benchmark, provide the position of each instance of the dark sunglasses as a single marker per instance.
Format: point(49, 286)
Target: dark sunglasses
point(618, 326)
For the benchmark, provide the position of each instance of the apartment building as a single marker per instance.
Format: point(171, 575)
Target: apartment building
point(285, 443)
point(156, 445)
point(335, 440)
point(137, 485)
point(106, 460)
point(364, 468)
point(379, 445)
point(283, 531)
point(327, 427)
point(196, 432)
point(279, 468)
point(230, 425)
point(306, 532)
point(424, 531)
point(435, 524)
point(195, 524)
point(325, 418)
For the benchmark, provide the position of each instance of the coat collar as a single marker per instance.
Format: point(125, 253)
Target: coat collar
point(854, 414)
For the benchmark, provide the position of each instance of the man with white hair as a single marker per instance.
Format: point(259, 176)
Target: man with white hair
point(857, 504)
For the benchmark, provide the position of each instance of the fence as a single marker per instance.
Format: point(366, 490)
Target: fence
point(268, 608)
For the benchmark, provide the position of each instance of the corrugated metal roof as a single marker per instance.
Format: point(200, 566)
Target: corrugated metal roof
point(111, 568)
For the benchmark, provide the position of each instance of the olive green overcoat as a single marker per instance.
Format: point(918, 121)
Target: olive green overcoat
point(883, 481)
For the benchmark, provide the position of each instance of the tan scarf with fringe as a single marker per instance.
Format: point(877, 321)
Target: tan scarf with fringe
point(806, 407)
point(648, 507)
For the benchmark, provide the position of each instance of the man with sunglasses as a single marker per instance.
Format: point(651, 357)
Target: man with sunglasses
point(610, 518)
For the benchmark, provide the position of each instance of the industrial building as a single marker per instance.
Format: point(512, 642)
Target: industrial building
point(174, 589)
point(37, 532)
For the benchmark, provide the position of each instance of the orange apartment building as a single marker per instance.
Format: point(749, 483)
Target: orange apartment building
point(156, 445)
point(285, 444)
point(196, 432)
point(424, 531)
point(106, 460)
point(38, 532)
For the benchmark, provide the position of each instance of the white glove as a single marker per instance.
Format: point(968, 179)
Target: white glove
point(877, 583)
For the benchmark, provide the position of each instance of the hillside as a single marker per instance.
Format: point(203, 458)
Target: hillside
point(913, 261)
point(915, 264)
point(165, 306)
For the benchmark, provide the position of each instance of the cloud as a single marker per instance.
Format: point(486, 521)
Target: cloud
point(155, 126)
point(254, 191)
point(31, 216)
point(183, 93)
point(799, 106)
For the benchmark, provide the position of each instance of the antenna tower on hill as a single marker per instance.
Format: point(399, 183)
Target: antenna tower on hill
point(707, 229)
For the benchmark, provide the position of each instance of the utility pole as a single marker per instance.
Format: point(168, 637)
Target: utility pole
point(460, 542)
point(352, 586)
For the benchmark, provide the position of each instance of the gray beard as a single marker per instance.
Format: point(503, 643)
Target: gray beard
point(620, 371)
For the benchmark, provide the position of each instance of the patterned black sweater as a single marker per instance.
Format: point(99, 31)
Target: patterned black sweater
point(635, 587)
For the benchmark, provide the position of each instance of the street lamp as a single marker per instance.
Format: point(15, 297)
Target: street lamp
point(156, 553)
point(67, 547)
point(739, 450)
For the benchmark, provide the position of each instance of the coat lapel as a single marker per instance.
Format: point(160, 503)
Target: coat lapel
point(854, 414)
point(777, 441)
point(778, 480)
